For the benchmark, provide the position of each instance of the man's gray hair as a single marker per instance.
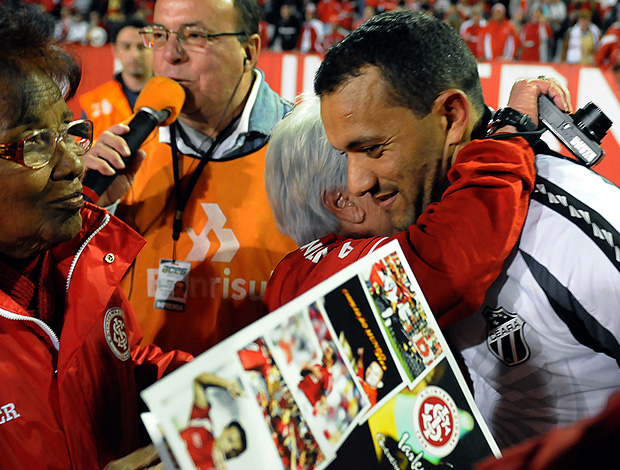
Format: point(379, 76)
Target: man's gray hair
point(301, 165)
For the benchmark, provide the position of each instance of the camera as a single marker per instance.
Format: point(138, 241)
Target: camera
point(580, 132)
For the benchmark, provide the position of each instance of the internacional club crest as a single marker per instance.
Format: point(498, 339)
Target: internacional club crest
point(436, 421)
point(115, 334)
point(505, 337)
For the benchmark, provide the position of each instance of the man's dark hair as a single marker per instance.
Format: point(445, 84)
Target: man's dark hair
point(130, 22)
point(418, 56)
point(242, 438)
point(27, 55)
point(249, 14)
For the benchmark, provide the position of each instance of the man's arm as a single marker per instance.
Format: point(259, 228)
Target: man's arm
point(458, 246)
point(207, 379)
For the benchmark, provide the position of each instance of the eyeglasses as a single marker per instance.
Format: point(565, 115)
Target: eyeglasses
point(191, 37)
point(36, 149)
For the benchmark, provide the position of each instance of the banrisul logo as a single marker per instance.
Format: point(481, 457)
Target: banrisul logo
point(215, 222)
point(505, 336)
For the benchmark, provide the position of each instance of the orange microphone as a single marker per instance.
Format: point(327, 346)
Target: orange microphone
point(158, 104)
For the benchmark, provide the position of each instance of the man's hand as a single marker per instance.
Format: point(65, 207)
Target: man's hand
point(141, 459)
point(233, 389)
point(106, 157)
point(525, 92)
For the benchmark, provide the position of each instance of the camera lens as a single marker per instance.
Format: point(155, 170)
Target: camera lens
point(592, 121)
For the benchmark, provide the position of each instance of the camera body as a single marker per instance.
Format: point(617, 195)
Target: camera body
point(580, 132)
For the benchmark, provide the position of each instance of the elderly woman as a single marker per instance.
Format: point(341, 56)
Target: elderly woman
point(70, 367)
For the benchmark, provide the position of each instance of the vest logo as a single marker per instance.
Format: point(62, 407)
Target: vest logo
point(505, 338)
point(104, 107)
point(215, 222)
point(8, 413)
point(115, 334)
point(436, 422)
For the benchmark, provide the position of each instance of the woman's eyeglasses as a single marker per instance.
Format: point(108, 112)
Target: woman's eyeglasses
point(36, 149)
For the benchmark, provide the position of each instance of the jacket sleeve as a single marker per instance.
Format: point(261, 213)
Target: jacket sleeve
point(150, 362)
point(458, 246)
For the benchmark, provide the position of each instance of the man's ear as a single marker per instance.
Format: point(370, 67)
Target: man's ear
point(453, 109)
point(343, 206)
point(251, 48)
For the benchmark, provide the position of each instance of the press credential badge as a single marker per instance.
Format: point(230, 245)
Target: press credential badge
point(172, 284)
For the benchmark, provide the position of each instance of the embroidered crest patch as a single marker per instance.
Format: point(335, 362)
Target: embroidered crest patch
point(115, 334)
point(505, 337)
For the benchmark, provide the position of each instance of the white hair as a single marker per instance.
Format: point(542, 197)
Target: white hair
point(300, 167)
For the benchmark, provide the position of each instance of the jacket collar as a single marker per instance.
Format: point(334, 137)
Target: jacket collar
point(263, 110)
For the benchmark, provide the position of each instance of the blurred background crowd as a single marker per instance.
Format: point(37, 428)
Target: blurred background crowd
point(567, 31)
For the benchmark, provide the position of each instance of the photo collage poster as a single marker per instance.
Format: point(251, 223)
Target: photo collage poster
point(355, 373)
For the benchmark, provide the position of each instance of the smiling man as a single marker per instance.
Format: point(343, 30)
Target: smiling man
point(199, 197)
point(456, 248)
point(400, 160)
point(401, 96)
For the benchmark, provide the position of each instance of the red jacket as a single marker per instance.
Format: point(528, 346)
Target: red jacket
point(73, 403)
point(534, 39)
point(457, 247)
point(499, 40)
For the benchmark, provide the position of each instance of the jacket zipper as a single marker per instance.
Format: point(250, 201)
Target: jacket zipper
point(44, 326)
point(105, 221)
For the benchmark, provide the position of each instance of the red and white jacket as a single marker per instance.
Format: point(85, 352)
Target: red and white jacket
point(458, 245)
point(608, 46)
point(72, 402)
point(535, 38)
point(471, 32)
point(311, 37)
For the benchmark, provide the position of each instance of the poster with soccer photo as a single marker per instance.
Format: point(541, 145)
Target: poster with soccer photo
point(354, 373)
point(429, 426)
point(295, 442)
point(360, 334)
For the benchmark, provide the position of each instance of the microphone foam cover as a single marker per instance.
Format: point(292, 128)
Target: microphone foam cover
point(161, 93)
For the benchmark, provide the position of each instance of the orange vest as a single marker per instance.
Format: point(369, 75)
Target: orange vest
point(228, 235)
point(106, 105)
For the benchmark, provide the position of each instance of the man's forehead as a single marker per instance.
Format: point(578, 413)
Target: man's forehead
point(232, 434)
point(349, 113)
point(193, 12)
point(128, 34)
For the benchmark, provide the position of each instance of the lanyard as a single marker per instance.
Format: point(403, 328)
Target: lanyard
point(183, 196)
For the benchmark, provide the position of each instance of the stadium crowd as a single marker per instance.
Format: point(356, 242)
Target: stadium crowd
point(570, 31)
